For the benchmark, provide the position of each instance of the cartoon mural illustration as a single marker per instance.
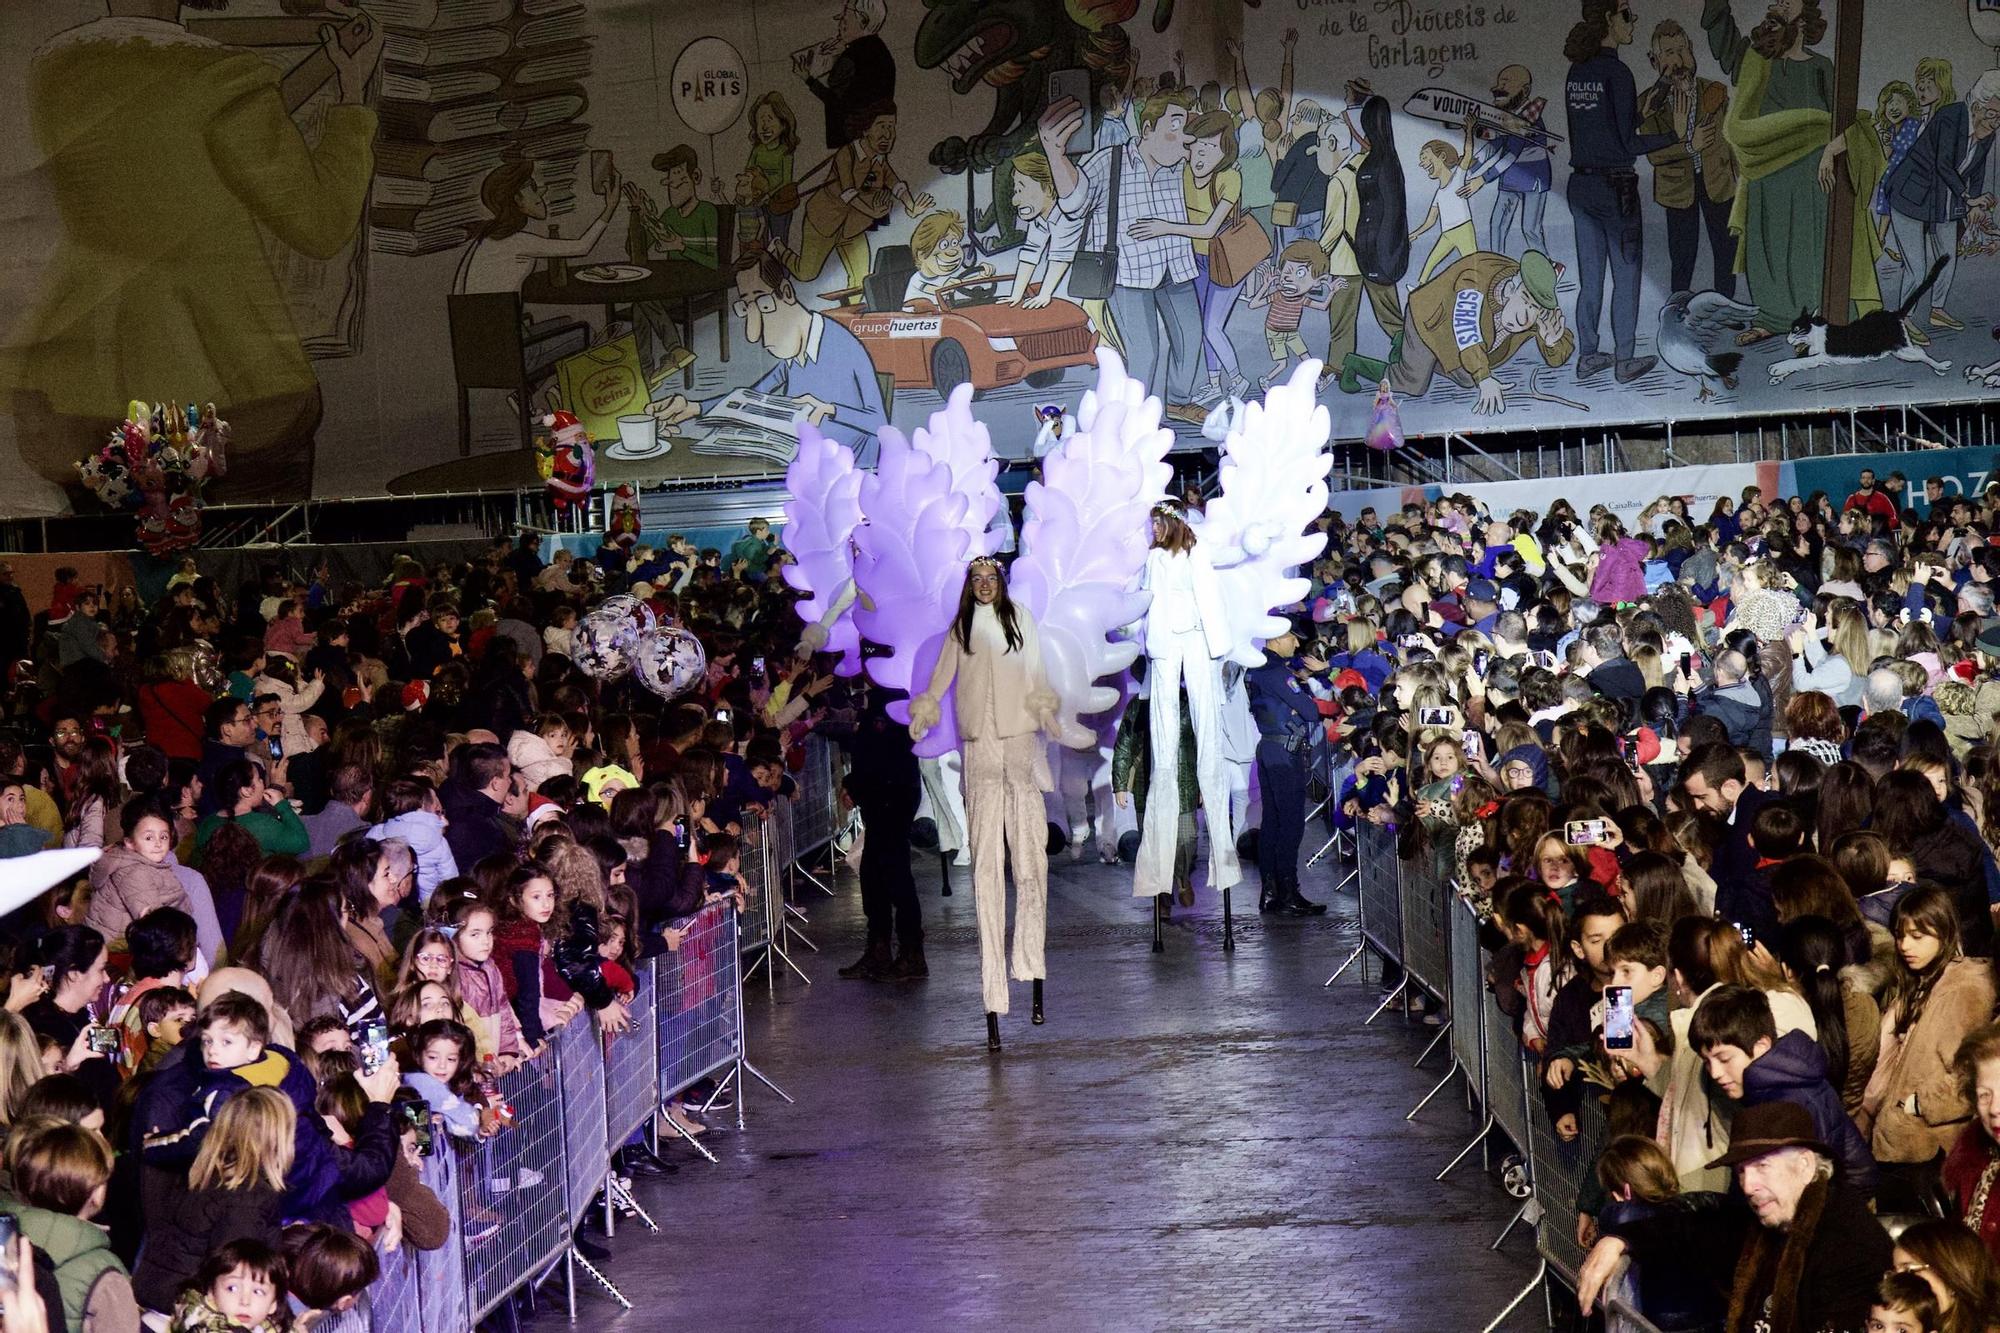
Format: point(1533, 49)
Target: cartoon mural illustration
point(399, 234)
point(174, 162)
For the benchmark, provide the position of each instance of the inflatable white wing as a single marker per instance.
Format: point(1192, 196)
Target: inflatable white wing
point(820, 517)
point(1087, 529)
point(959, 442)
point(1274, 468)
point(910, 564)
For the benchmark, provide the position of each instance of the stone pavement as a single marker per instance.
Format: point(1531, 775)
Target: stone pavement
point(1194, 1140)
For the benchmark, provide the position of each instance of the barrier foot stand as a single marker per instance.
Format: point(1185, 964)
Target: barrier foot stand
point(793, 932)
point(1507, 1230)
point(763, 960)
point(1320, 855)
point(807, 875)
point(777, 949)
point(619, 1194)
point(690, 1139)
point(1359, 949)
point(1400, 993)
point(1541, 1271)
point(1478, 1140)
point(944, 873)
point(569, 1280)
point(1443, 1032)
point(1449, 1075)
point(1228, 925)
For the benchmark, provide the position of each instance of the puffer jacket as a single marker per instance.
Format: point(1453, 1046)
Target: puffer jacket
point(484, 988)
point(534, 760)
point(295, 700)
point(96, 1290)
point(1743, 710)
point(323, 1176)
point(1922, 1106)
point(425, 833)
point(124, 886)
point(1794, 1070)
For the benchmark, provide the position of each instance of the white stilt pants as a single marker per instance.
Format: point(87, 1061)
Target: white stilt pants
point(1004, 783)
point(1172, 657)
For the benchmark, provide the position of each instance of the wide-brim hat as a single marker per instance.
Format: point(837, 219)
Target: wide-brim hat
point(1766, 1128)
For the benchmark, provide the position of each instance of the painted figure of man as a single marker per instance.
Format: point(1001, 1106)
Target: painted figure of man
point(852, 69)
point(819, 363)
point(1154, 288)
point(1516, 164)
point(1605, 143)
point(1472, 318)
point(1694, 178)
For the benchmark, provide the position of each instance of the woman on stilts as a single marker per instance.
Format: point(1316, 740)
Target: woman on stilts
point(992, 661)
point(1187, 635)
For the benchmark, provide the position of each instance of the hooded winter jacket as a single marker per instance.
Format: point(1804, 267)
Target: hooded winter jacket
point(1743, 710)
point(425, 832)
point(533, 759)
point(1794, 1070)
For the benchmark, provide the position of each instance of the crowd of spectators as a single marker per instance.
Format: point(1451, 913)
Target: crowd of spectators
point(1745, 767)
point(364, 850)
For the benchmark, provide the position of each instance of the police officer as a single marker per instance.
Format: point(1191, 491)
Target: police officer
point(1288, 727)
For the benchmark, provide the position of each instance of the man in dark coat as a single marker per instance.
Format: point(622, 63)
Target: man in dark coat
point(863, 73)
point(884, 783)
point(1802, 1257)
point(476, 826)
point(1611, 673)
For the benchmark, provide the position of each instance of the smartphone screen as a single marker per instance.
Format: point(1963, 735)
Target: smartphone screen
point(1074, 85)
point(1617, 1018)
point(1470, 740)
point(1584, 832)
point(757, 665)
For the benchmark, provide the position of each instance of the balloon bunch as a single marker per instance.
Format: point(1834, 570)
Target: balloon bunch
point(621, 636)
point(155, 464)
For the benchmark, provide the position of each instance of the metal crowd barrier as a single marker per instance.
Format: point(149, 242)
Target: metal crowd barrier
point(1379, 899)
point(816, 807)
point(766, 868)
point(1412, 918)
point(1424, 903)
point(516, 1199)
point(700, 1031)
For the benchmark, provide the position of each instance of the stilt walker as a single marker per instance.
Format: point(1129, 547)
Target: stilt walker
point(1187, 635)
point(992, 663)
point(1214, 582)
point(1022, 653)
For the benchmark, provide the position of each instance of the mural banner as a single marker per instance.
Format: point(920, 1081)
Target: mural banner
point(387, 238)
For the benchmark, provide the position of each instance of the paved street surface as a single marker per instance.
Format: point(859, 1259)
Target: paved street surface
point(1194, 1140)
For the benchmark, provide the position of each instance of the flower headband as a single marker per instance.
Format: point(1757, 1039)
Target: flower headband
point(1170, 509)
point(986, 561)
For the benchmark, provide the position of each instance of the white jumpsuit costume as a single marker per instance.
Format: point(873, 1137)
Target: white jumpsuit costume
point(1186, 638)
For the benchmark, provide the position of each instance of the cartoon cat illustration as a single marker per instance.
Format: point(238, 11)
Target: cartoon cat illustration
point(1877, 334)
